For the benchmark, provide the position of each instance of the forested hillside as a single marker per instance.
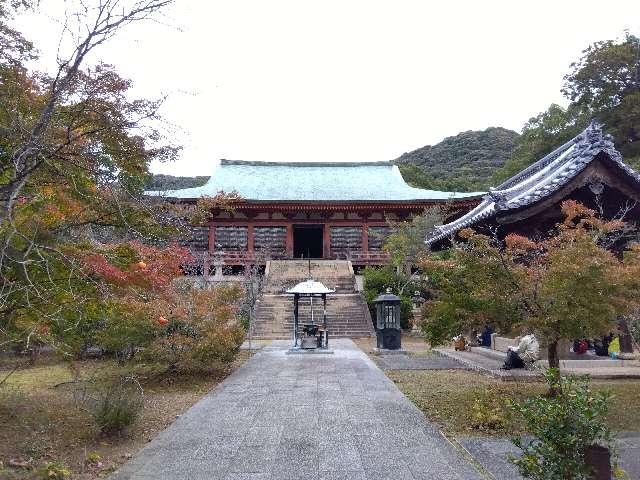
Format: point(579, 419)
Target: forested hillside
point(169, 182)
point(465, 162)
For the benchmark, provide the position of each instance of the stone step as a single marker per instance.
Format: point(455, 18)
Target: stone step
point(345, 311)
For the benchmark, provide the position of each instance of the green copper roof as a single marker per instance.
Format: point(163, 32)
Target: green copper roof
point(275, 181)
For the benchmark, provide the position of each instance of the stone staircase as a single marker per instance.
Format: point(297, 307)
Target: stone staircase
point(347, 312)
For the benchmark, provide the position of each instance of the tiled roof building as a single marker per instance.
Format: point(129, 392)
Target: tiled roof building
point(310, 210)
point(588, 168)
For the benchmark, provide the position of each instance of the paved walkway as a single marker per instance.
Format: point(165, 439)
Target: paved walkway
point(301, 416)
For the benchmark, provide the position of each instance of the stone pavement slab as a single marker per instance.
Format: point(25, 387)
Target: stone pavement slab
point(318, 417)
point(418, 362)
point(491, 366)
point(493, 454)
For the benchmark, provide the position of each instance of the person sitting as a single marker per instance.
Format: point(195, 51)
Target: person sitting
point(525, 353)
point(459, 343)
point(601, 347)
point(580, 347)
point(485, 337)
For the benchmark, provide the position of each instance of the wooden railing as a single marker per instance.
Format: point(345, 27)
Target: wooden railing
point(206, 259)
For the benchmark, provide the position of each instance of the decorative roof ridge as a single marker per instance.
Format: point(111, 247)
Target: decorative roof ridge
point(258, 163)
point(535, 167)
point(522, 189)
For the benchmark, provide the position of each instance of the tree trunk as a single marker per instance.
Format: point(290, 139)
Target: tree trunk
point(554, 362)
point(552, 355)
point(626, 340)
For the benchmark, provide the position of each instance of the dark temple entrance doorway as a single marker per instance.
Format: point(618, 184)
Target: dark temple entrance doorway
point(307, 241)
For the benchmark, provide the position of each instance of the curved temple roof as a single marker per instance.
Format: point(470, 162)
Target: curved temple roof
point(314, 181)
point(539, 180)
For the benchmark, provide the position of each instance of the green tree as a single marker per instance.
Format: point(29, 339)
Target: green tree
point(567, 286)
point(406, 247)
point(378, 279)
point(74, 155)
point(406, 244)
point(541, 135)
point(604, 84)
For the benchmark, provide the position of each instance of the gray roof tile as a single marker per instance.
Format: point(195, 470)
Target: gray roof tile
point(539, 180)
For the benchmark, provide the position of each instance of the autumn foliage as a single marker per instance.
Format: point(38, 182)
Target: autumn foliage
point(572, 284)
point(154, 316)
point(86, 258)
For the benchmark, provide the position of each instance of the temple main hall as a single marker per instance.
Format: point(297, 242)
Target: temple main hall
point(301, 210)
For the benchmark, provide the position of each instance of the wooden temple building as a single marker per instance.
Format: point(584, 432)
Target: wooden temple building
point(588, 168)
point(307, 210)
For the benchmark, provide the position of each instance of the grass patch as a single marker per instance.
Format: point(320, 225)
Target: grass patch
point(42, 421)
point(469, 403)
point(413, 345)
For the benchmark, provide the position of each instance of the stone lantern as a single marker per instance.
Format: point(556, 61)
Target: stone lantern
point(388, 321)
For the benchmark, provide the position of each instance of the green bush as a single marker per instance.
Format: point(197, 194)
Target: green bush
point(563, 426)
point(376, 282)
point(116, 405)
point(55, 471)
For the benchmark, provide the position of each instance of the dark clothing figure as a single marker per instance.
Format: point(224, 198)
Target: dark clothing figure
point(601, 347)
point(485, 337)
point(513, 361)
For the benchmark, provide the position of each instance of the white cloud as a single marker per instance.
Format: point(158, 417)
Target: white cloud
point(349, 79)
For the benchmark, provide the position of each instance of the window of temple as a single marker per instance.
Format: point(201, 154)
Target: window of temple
point(271, 241)
point(198, 240)
point(345, 240)
point(232, 239)
point(377, 237)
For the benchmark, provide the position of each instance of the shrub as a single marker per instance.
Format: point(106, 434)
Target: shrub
point(116, 405)
point(203, 332)
point(376, 282)
point(55, 471)
point(563, 426)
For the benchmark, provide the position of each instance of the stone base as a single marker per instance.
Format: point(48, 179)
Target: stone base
point(385, 351)
point(309, 351)
point(627, 356)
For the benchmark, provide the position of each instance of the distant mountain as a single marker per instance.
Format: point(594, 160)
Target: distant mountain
point(464, 162)
point(169, 182)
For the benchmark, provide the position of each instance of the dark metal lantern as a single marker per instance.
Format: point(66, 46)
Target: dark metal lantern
point(388, 321)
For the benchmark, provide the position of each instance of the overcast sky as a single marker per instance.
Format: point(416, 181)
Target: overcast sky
point(347, 80)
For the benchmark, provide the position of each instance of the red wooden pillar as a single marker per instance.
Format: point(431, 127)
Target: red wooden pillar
point(326, 241)
point(212, 238)
point(250, 241)
point(207, 260)
point(365, 239)
point(289, 241)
